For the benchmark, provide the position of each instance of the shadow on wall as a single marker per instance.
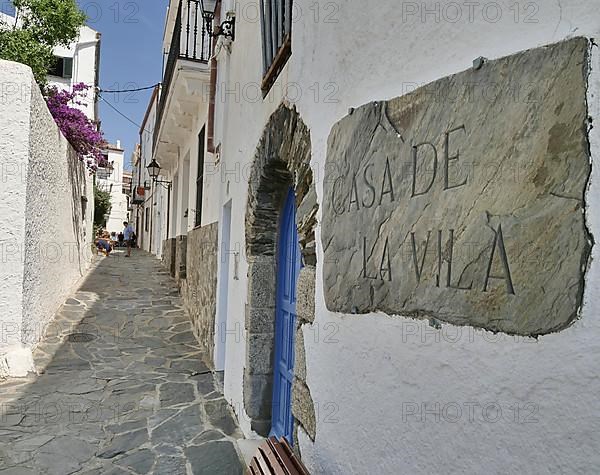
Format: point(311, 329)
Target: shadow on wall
point(79, 202)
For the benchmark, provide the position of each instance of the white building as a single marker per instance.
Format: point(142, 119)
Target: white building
point(46, 214)
point(149, 197)
point(77, 63)
point(111, 178)
point(364, 391)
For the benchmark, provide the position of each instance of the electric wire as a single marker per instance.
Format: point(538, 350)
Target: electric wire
point(114, 91)
point(120, 113)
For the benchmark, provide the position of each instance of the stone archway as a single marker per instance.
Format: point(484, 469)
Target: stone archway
point(282, 159)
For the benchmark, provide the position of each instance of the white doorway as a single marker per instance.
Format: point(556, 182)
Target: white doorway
point(223, 287)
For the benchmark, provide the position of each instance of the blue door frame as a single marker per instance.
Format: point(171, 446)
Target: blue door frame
point(288, 268)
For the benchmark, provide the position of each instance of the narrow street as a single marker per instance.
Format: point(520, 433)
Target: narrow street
point(122, 387)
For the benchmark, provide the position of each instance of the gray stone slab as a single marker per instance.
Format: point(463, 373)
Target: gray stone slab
point(185, 337)
point(160, 416)
point(31, 443)
point(74, 447)
point(192, 366)
point(208, 436)
point(214, 457)
point(140, 461)
point(220, 415)
point(181, 428)
point(56, 463)
point(172, 394)
point(463, 201)
point(93, 410)
point(127, 426)
point(167, 449)
point(170, 465)
point(124, 443)
point(205, 383)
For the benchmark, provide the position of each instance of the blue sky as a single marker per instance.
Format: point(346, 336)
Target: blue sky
point(130, 57)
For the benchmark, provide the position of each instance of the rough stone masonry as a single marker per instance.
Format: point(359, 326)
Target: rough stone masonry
point(464, 200)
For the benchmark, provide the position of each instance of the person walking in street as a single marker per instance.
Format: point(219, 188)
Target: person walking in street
point(128, 234)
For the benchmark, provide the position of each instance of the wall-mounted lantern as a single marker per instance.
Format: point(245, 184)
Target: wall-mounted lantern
point(226, 28)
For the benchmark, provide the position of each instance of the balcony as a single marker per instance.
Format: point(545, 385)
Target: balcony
point(186, 77)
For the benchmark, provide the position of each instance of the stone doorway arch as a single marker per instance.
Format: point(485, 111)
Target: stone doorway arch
point(281, 160)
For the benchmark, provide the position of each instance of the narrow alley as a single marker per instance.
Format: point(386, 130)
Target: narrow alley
point(122, 387)
point(364, 237)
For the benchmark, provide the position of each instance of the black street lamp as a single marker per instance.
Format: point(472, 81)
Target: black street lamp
point(226, 28)
point(154, 172)
point(153, 169)
point(208, 6)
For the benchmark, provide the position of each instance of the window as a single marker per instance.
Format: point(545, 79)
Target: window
point(276, 21)
point(62, 67)
point(147, 220)
point(83, 207)
point(199, 179)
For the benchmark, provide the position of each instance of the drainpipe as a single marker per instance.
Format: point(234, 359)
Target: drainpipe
point(97, 73)
point(168, 208)
point(75, 73)
point(151, 218)
point(210, 127)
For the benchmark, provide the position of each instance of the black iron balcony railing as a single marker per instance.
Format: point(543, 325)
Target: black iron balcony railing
point(191, 41)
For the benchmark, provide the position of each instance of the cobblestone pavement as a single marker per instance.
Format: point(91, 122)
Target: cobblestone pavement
point(126, 393)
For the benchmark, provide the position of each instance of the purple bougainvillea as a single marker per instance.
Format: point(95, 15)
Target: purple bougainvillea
point(81, 132)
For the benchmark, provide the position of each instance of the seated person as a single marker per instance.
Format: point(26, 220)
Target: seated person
point(103, 245)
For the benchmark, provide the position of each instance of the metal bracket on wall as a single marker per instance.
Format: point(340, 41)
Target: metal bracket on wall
point(226, 28)
point(236, 264)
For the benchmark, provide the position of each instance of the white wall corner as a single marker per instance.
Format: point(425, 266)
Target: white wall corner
point(16, 361)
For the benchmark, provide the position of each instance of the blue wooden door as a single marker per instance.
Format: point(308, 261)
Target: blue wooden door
point(288, 268)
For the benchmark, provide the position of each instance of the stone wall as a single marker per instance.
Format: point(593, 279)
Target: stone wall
point(168, 255)
point(199, 288)
point(376, 366)
point(180, 257)
point(516, 222)
point(282, 159)
point(46, 217)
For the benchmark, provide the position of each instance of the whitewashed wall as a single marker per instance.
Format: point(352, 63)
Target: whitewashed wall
point(46, 212)
point(112, 181)
point(85, 53)
point(149, 241)
point(368, 373)
point(186, 171)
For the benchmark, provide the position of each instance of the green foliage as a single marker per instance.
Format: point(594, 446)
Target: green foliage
point(102, 207)
point(21, 46)
point(41, 25)
point(52, 22)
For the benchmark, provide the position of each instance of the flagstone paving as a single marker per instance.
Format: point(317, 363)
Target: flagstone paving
point(122, 387)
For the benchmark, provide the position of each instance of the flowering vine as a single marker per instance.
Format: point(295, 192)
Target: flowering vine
point(81, 132)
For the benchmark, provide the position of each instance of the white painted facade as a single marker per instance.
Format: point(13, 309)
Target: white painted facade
point(186, 114)
point(368, 374)
point(110, 178)
point(85, 56)
point(6, 19)
point(46, 214)
point(85, 53)
point(150, 215)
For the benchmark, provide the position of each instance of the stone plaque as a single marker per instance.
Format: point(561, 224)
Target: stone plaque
point(463, 200)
